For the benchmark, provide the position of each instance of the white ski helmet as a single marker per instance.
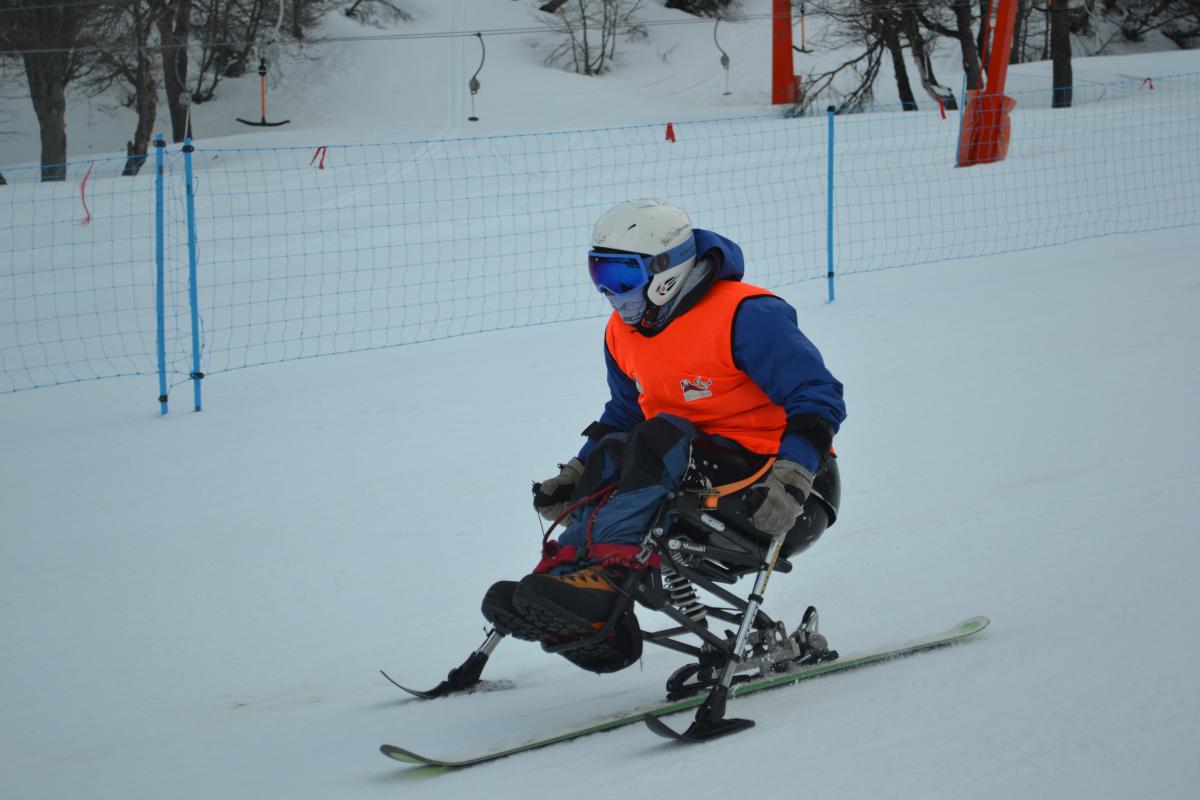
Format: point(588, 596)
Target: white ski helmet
point(657, 230)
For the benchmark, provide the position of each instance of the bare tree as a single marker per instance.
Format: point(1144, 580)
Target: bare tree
point(1178, 20)
point(851, 83)
point(234, 34)
point(1021, 26)
point(368, 12)
point(920, 46)
point(589, 31)
point(125, 60)
point(955, 20)
point(174, 31)
point(303, 15)
point(703, 8)
point(50, 37)
point(866, 28)
point(886, 19)
point(227, 30)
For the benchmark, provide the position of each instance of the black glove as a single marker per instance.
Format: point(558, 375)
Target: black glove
point(552, 496)
point(783, 493)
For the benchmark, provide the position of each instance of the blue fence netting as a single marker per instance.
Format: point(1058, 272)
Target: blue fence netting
point(277, 254)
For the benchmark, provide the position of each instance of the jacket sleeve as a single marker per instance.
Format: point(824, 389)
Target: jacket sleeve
point(770, 348)
point(621, 412)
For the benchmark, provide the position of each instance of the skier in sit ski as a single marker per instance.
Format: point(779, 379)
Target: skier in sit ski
point(698, 362)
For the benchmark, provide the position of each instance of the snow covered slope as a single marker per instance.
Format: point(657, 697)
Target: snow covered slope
point(195, 606)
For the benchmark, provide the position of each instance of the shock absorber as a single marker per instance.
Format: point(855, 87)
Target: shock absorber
point(683, 595)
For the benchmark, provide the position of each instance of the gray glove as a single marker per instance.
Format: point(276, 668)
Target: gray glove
point(785, 489)
point(552, 496)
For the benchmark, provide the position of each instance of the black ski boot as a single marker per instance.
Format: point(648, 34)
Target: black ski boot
point(498, 609)
point(571, 607)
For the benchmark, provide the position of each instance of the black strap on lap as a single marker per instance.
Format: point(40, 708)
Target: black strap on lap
point(598, 430)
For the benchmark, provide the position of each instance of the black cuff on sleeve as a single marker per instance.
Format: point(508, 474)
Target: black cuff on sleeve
point(814, 428)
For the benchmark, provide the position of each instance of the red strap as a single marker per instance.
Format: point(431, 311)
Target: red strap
point(623, 554)
point(83, 195)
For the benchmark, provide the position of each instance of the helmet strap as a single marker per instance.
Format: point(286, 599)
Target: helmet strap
point(702, 277)
point(649, 317)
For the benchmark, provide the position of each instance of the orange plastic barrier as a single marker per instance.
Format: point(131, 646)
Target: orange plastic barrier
point(986, 128)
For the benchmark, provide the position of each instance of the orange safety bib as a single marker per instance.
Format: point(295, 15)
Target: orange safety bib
point(688, 370)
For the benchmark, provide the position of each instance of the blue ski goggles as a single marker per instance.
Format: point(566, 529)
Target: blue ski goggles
point(619, 273)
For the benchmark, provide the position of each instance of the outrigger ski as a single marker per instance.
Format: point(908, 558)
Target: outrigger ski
point(699, 731)
point(441, 691)
point(464, 678)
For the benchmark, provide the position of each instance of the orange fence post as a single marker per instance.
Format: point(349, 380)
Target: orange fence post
point(783, 84)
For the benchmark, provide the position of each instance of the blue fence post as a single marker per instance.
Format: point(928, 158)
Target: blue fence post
point(196, 375)
point(829, 209)
point(159, 145)
point(962, 111)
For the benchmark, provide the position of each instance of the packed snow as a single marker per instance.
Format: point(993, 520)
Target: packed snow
point(196, 605)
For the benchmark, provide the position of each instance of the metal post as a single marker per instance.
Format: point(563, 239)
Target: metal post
point(196, 375)
point(962, 111)
point(159, 145)
point(783, 81)
point(829, 210)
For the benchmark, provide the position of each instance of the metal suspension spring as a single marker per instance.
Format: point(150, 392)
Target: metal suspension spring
point(683, 595)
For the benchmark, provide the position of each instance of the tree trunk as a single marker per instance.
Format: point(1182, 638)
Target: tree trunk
point(1016, 55)
point(146, 103)
point(175, 30)
point(583, 25)
point(47, 75)
point(916, 42)
point(985, 27)
point(1060, 52)
point(966, 41)
point(891, 40)
point(145, 90)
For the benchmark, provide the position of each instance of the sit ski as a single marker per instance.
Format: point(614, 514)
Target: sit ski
point(702, 545)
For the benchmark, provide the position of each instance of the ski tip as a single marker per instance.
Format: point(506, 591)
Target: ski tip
point(697, 732)
point(424, 695)
point(660, 728)
point(972, 625)
point(406, 756)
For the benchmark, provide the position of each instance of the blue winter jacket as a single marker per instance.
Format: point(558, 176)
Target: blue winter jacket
point(769, 347)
